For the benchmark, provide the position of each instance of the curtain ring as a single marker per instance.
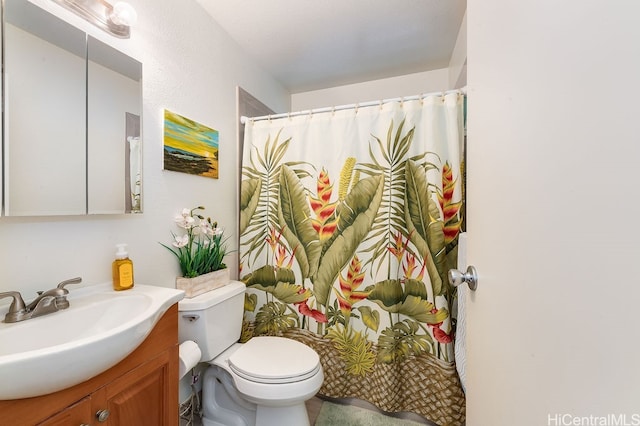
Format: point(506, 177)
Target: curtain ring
point(402, 102)
point(269, 118)
point(357, 107)
point(380, 104)
point(333, 111)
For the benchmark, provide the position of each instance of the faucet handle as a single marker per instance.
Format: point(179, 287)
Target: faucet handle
point(76, 280)
point(17, 308)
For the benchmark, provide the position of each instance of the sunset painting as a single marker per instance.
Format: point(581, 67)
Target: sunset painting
point(189, 147)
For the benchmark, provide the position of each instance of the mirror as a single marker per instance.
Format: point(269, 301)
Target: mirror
point(45, 102)
point(113, 130)
point(72, 108)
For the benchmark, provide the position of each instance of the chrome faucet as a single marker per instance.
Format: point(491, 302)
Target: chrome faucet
point(47, 302)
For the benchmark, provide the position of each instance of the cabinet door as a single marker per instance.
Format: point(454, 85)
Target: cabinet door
point(77, 414)
point(144, 396)
point(45, 152)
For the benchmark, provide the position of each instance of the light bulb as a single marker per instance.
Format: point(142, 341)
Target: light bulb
point(123, 14)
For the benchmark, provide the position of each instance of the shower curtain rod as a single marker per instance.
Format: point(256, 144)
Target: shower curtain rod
point(243, 119)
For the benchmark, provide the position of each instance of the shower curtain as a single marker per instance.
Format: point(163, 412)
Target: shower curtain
point(349, 222)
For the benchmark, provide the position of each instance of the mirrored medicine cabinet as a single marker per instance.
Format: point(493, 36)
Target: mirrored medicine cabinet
point(72, 119)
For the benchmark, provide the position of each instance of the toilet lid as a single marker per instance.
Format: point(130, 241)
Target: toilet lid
point(268, 359)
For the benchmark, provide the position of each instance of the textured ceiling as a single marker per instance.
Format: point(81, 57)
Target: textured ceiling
point(309, 45)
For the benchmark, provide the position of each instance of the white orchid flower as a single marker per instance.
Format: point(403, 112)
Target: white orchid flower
point(180, 241)
point(185, 220)
point(205, 228)
point(201, 241)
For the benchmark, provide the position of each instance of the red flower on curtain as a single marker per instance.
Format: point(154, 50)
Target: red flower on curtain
point(325, 222)
point(281, 257)
point(398, 247)
point(273, 239)
point(439, 334)
point(348, 296)
point(450, 210)
point(280, 251)
point(305, 310)
point(410, 265)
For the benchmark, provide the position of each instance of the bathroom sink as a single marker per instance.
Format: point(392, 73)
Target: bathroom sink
point(99, 329)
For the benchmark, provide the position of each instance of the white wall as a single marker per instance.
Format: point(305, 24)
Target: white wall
point(458, 61)
point(190, 66)
point(406, 85)
point(553, 153)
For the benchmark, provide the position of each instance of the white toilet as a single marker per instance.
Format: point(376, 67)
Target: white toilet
point(264, 382)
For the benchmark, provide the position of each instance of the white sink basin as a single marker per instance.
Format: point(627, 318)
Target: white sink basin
point(99, 329)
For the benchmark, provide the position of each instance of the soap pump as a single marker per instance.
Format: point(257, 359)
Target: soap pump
point(122, 269)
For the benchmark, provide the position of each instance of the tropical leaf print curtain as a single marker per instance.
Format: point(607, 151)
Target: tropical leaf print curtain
point(349, 224)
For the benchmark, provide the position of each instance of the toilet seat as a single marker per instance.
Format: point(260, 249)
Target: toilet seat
point(274, 360)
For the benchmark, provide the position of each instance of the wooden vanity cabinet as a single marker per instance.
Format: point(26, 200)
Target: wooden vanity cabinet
point(141, 390)
point(77, 414)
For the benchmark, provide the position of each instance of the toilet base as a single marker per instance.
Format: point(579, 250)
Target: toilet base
point(278, 416)
point(223, 406)
point(267, 416)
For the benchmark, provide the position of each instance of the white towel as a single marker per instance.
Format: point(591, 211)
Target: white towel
point(460, 347)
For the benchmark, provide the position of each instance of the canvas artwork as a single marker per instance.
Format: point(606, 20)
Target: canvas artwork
point(189, 147)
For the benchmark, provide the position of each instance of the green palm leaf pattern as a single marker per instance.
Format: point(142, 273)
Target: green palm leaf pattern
point(390, 218)
point(268, 276)
point(370, 317)
point(250, 302)
point(265, 167)
point(249, 198)
point(354, 349)
point(356, 214)
point(279, 282)
point(273, 319)
point(424, 224)
point(392, 297)
point(295, 221)
point(402, 340)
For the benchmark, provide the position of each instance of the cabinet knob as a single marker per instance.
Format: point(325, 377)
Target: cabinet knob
point(102, 415)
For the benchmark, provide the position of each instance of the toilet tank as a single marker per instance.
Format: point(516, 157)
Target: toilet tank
point(213, 319)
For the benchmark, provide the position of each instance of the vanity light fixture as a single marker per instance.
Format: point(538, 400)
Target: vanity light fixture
point(115, 19)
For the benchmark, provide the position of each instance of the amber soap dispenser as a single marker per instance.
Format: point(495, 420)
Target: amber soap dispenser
point(122, 269)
